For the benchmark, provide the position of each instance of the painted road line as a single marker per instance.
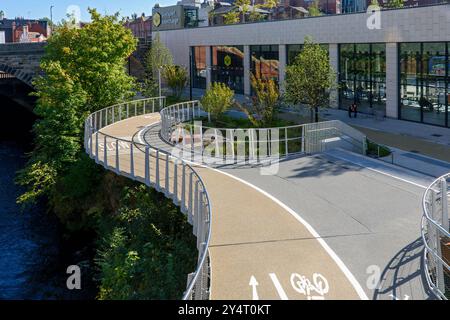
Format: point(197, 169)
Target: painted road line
point(277, 284)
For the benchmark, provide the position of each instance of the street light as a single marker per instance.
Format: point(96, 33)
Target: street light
point(159, 79)
point(51, 19)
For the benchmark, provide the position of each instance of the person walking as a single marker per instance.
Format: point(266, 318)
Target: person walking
point(355, 109)
point(350, 110)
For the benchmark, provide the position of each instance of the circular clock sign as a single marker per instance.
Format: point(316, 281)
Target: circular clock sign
point(157, 19)
point(227, 61)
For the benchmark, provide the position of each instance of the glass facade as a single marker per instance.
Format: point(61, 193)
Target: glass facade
point(228, 66)
point(198, 65)
point(264, 61)
point(424, 82)
point(362, 77)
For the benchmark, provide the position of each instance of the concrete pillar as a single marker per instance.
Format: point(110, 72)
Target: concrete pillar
point(392, 80)
point(247, 70)
point(334, 63)
point(208, 66)
point(281, 65)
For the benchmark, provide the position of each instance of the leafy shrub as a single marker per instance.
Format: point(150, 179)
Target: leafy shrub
point(217, 99)
point(176, 77)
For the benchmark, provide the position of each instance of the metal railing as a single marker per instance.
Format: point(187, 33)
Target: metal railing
point(214, 145)
point(158, 169)
point(436, 236)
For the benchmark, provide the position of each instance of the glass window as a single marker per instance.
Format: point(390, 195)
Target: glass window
point(362, 77)
point(199, 67)
point(424, 82)
point(292, 51)
point(264, 61)
point(228, 66)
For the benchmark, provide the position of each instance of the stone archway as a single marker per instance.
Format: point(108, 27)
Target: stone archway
point(19, 74)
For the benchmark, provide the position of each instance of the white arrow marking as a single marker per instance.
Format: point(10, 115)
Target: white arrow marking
point(254, 284)
point(277, 284)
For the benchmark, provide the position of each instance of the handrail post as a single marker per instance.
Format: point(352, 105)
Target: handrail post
point(131, 160)
point(196, 208)
point(175, 181)
point(183, 187)
point(158, 185)
point(190, 203)
point(153, 106)
point(286, 151)
point(166, 182)
point(96, 147)
point(147, 165)
point(117, 157)
point(105, 153)
point(128, 111)
point(120, 113)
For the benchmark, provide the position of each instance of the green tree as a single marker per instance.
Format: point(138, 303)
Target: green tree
point(158, 56)
point(310, 78)
point(255, 15)
point(231, 17)
point(147, 249)
point(83, 71)
point(243, 6)
point(393, 4)
point(217, 99)
point(265, 102)
point(176, 77)
point(314, 9)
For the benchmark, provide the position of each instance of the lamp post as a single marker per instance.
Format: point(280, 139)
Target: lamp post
point(51, 19)
point(159, 79)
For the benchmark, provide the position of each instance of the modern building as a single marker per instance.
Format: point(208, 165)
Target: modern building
point(400, 70)
point(23, 30)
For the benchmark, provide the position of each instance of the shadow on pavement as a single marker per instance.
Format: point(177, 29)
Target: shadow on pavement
point(404, 277)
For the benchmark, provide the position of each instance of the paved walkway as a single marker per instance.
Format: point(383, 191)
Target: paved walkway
point(328, 219)
point(259, 248)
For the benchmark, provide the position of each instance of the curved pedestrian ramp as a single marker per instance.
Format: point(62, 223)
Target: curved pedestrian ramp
point(251, 246)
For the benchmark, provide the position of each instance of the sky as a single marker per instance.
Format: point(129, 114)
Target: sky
point(41, 8)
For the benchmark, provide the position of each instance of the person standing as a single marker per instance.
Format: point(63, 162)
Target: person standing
point(350, 110)
point(355, 109)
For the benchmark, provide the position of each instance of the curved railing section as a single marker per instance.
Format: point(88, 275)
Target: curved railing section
point(436, 236)
point(158, 169)
point(210, 145)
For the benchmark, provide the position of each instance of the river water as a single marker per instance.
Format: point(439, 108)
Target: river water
point(29, 239)
point(34, 252)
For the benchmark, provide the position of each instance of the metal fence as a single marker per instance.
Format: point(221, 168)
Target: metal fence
point(214, 145)
point(436, 236)
point(158, 169)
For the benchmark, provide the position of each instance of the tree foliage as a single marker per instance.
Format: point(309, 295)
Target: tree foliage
point(83, 71)
point(147, 249)
point(217, 99)
point(158, 56)
point(176, 77)
point(231, 17)
point(310, 78)
point(314, 9)
point(264, 103)
point(394, 4)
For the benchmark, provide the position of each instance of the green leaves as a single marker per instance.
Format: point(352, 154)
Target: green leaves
point(310, 78)
point(265, 102)
point(176, 77)
point(83, 71)
point(217, 99)
point(147, 250)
